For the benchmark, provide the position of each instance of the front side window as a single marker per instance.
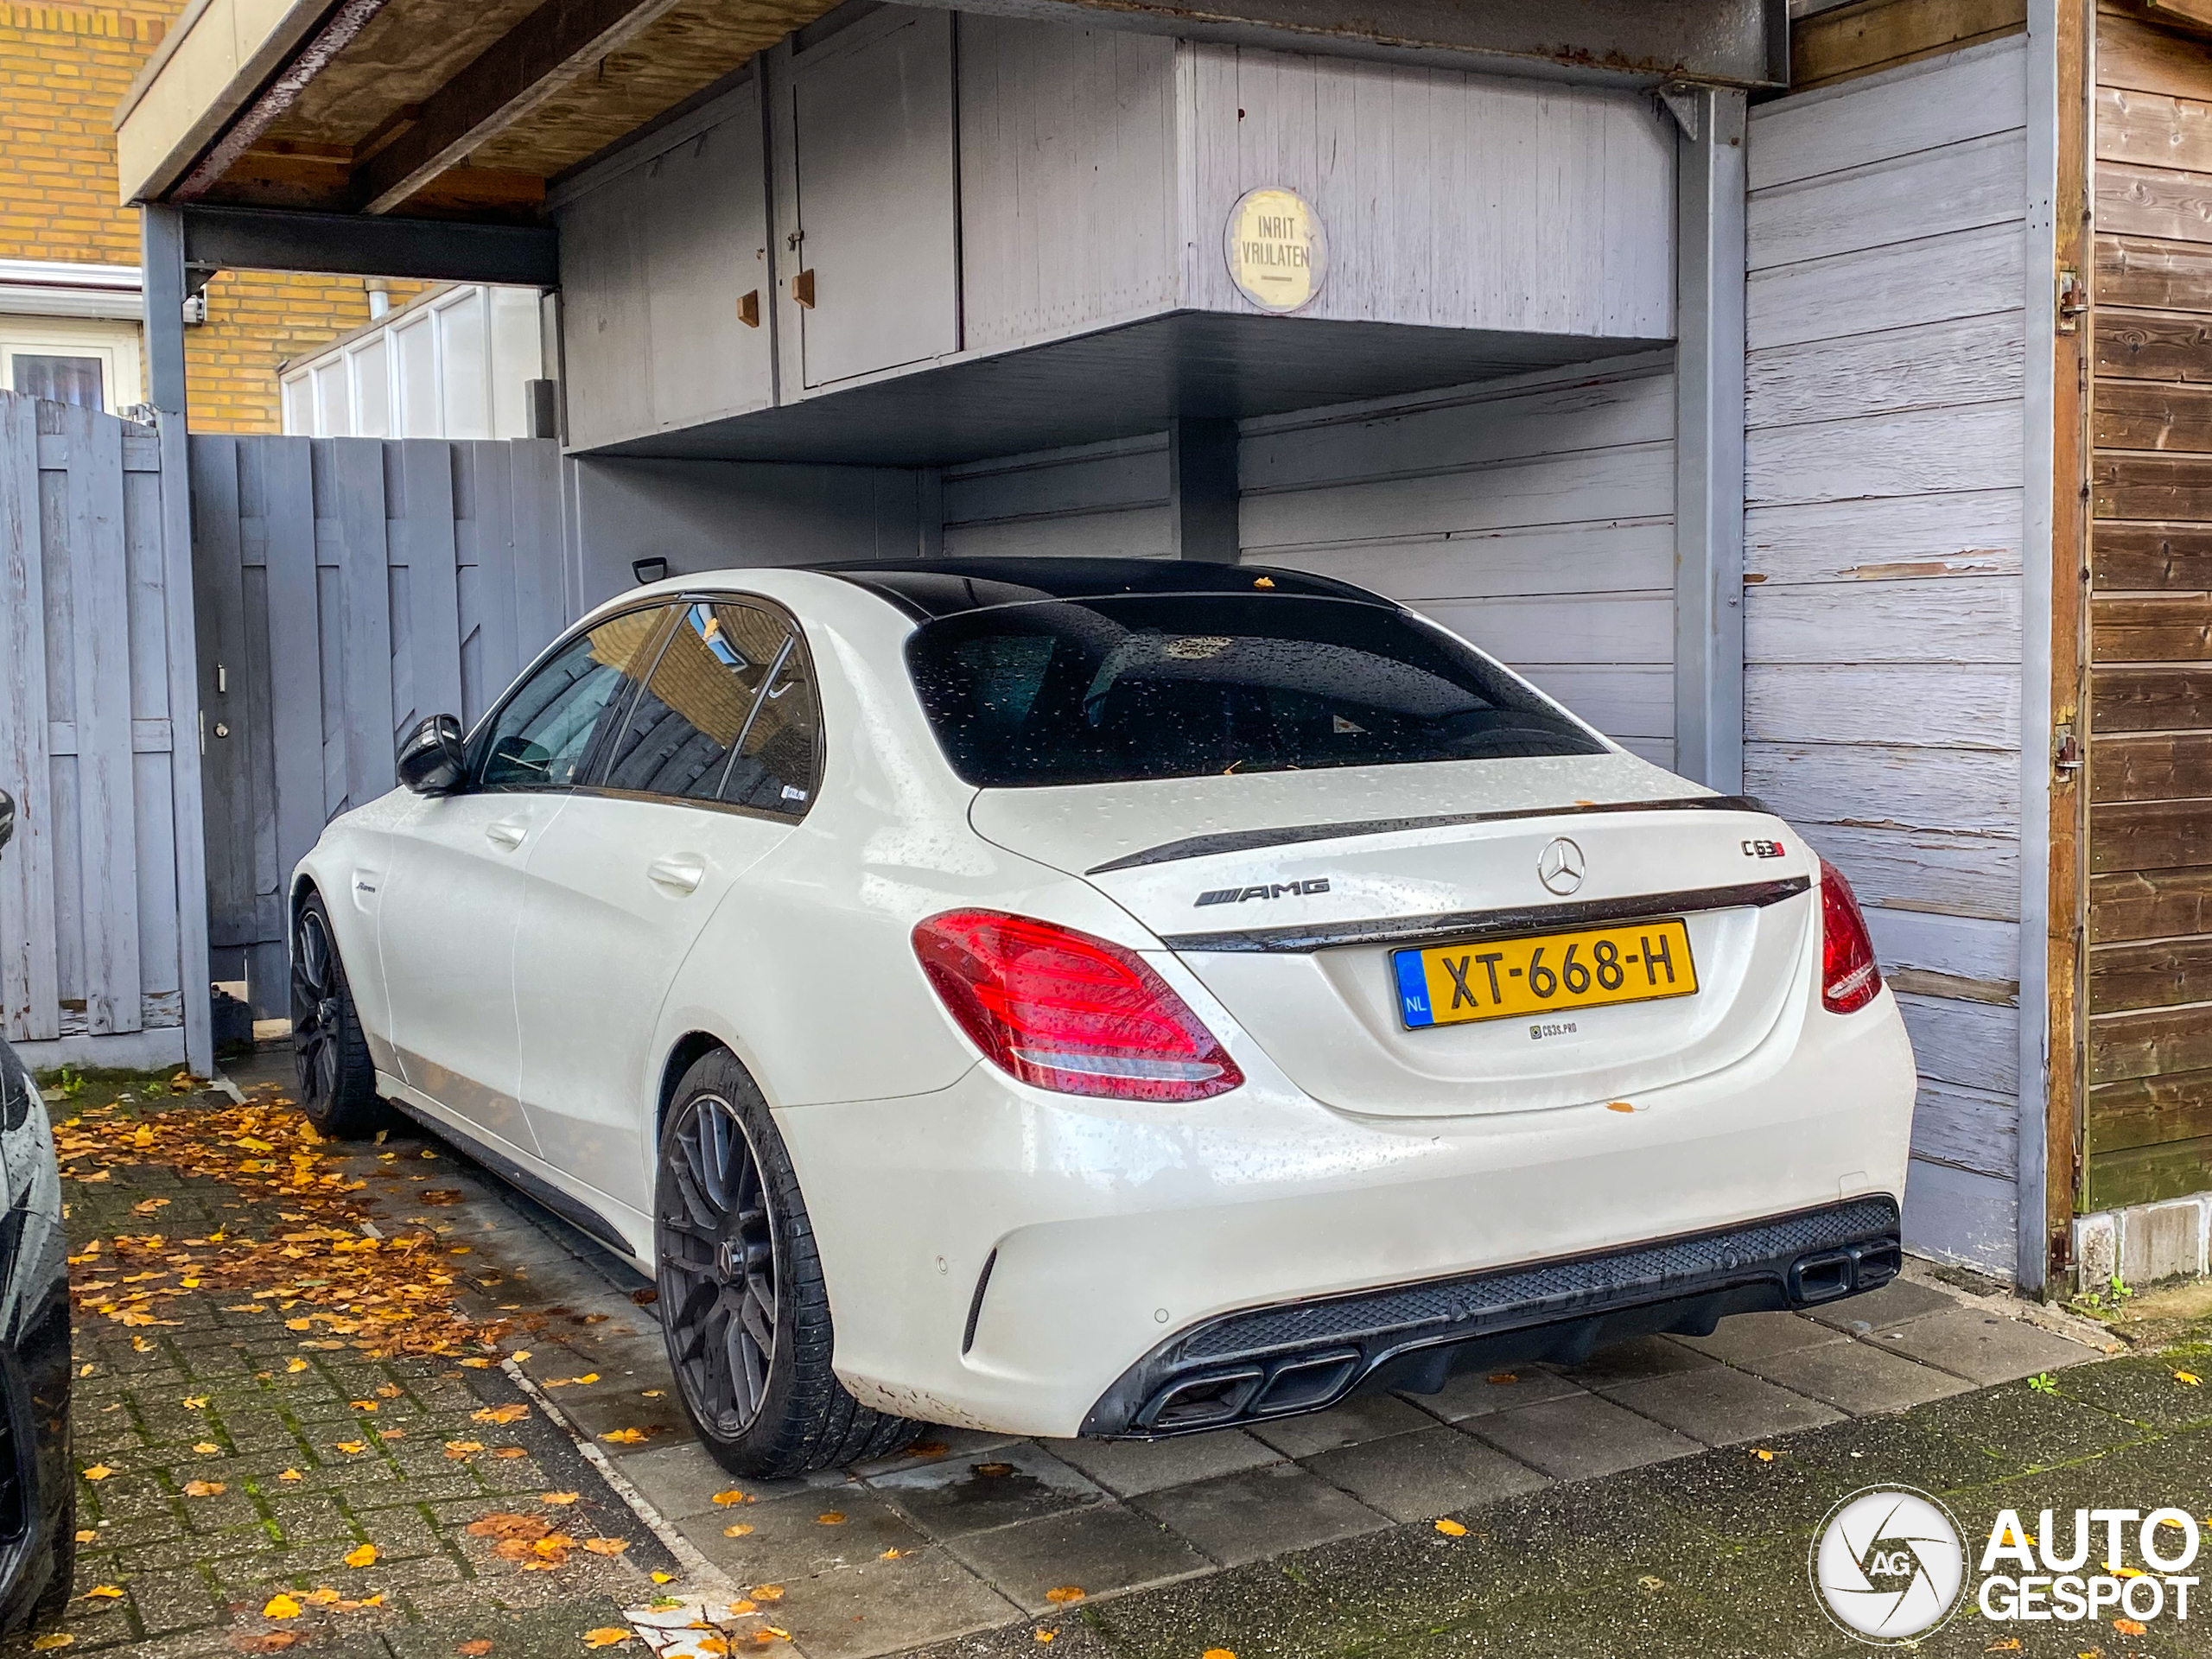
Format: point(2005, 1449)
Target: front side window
point(543, 735)
point(1143, 686)
point(717, 698)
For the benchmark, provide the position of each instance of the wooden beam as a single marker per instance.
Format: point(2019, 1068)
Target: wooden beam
point(2066, 903)
point(530, 64)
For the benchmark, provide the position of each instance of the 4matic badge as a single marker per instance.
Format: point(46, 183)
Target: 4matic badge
point(1265, 890)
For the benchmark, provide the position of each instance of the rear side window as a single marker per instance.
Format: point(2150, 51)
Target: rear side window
point(715, 722)
point(543, 735)
point(1108, 689)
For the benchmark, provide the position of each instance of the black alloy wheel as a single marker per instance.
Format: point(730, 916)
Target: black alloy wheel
point(718, 1269)
point(743, 1303)
point(336, 1078)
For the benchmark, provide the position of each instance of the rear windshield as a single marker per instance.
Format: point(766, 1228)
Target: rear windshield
point(1103, 690)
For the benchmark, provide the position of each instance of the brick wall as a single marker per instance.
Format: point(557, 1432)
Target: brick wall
point(63, 69)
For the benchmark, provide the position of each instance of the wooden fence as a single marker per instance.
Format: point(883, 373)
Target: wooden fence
point(344, 589)
point(96, 927)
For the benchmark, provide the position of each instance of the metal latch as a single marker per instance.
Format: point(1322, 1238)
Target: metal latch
point(2073, 301)
point(2065, 753)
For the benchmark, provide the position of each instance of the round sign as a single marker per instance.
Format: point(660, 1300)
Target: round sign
point(1889, 1563)
point(1277, 252)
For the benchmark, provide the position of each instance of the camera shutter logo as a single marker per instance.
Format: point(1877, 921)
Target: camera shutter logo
point(1888, 1564)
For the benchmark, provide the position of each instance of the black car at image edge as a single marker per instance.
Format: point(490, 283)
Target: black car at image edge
point(38, 1493)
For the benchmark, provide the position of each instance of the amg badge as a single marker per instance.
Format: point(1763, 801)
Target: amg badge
point(1264, 890)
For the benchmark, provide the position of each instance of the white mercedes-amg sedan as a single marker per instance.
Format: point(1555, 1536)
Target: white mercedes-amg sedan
point(1105, 997)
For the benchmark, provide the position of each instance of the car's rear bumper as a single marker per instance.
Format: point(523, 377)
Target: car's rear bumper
point(1276, 1362)
point(1003, 1258)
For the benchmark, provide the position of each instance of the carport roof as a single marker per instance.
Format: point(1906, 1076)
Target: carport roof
point(465, 109)
point(1120, 383)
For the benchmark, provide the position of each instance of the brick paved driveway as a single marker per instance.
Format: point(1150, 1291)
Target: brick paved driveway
point(962, 1534)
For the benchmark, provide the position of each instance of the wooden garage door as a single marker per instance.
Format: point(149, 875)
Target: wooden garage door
point(2149, 1118)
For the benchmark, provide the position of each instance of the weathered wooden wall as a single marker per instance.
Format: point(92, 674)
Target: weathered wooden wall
point(1885, 462)
point(90, 962)
point(2148, 1125)
point(1872, 35)
point(1452, 200)
point(1103, 500)
point(1534, 516)
point(346, 588)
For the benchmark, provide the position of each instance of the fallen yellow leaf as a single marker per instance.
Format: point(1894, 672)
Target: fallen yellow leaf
point(1217, 1653)
point(2130, 1627)
point(2192, 1380)
point(204, 1489)
point(352, 1447)
point(197, 1402)
point(558, 1497)
point(767, 1593)
point(1045, 1635)
point(606, 1546)
point(54, 1639)
point(663, 1578)
point(737, 1531)
point(1763, 1454)
point(98, 1472)
point(1450, 1529)
point(830, 1518)
point(502, 1413)
point(291, 1474)
point(608, 1635)
point(207, 1448)
point(624, 1436)
point(733, 1497)
point(295, 1365)
point(364, 1556)
point(104, 1592)
point(743, 1606)
point(1064, 1592)
point(280, 1607)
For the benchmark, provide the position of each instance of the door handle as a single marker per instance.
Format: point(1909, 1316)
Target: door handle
point(681, 873)
point(507, 833)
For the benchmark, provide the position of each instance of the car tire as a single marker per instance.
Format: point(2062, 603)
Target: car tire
point(61, 1564)
point(337, 1079)
point(738, 1263)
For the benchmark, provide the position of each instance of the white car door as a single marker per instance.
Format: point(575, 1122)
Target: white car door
point(715, 763)
point(454, 893)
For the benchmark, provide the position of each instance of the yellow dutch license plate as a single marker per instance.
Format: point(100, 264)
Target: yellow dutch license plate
point(1501, 979)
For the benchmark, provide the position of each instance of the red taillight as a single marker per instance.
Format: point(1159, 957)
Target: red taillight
point(1849, 978)
point(1068, 1012)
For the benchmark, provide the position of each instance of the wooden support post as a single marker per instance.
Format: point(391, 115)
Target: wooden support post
point(161, 254)
point(2054, 826)
point(1709, 445)
point(1202, 489)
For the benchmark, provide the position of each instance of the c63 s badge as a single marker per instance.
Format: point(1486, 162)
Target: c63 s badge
point(1265, 890)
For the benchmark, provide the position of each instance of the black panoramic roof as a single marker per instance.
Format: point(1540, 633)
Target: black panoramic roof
point(928, 588)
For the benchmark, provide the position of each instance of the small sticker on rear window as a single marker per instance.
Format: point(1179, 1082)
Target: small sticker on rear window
point(791, 794)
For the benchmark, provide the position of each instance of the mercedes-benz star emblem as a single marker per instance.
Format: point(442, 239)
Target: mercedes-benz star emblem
point(1558, 866)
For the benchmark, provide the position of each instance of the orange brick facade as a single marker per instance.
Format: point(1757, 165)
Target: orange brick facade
point(63, 69)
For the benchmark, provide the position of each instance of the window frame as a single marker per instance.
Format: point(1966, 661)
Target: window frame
point(477, 746)
point(601, 758)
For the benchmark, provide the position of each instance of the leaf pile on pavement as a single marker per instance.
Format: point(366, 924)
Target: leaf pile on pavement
point(298, 1250)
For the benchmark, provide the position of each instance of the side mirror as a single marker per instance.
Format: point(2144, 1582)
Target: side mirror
point(6, 817)
point(431, 760)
